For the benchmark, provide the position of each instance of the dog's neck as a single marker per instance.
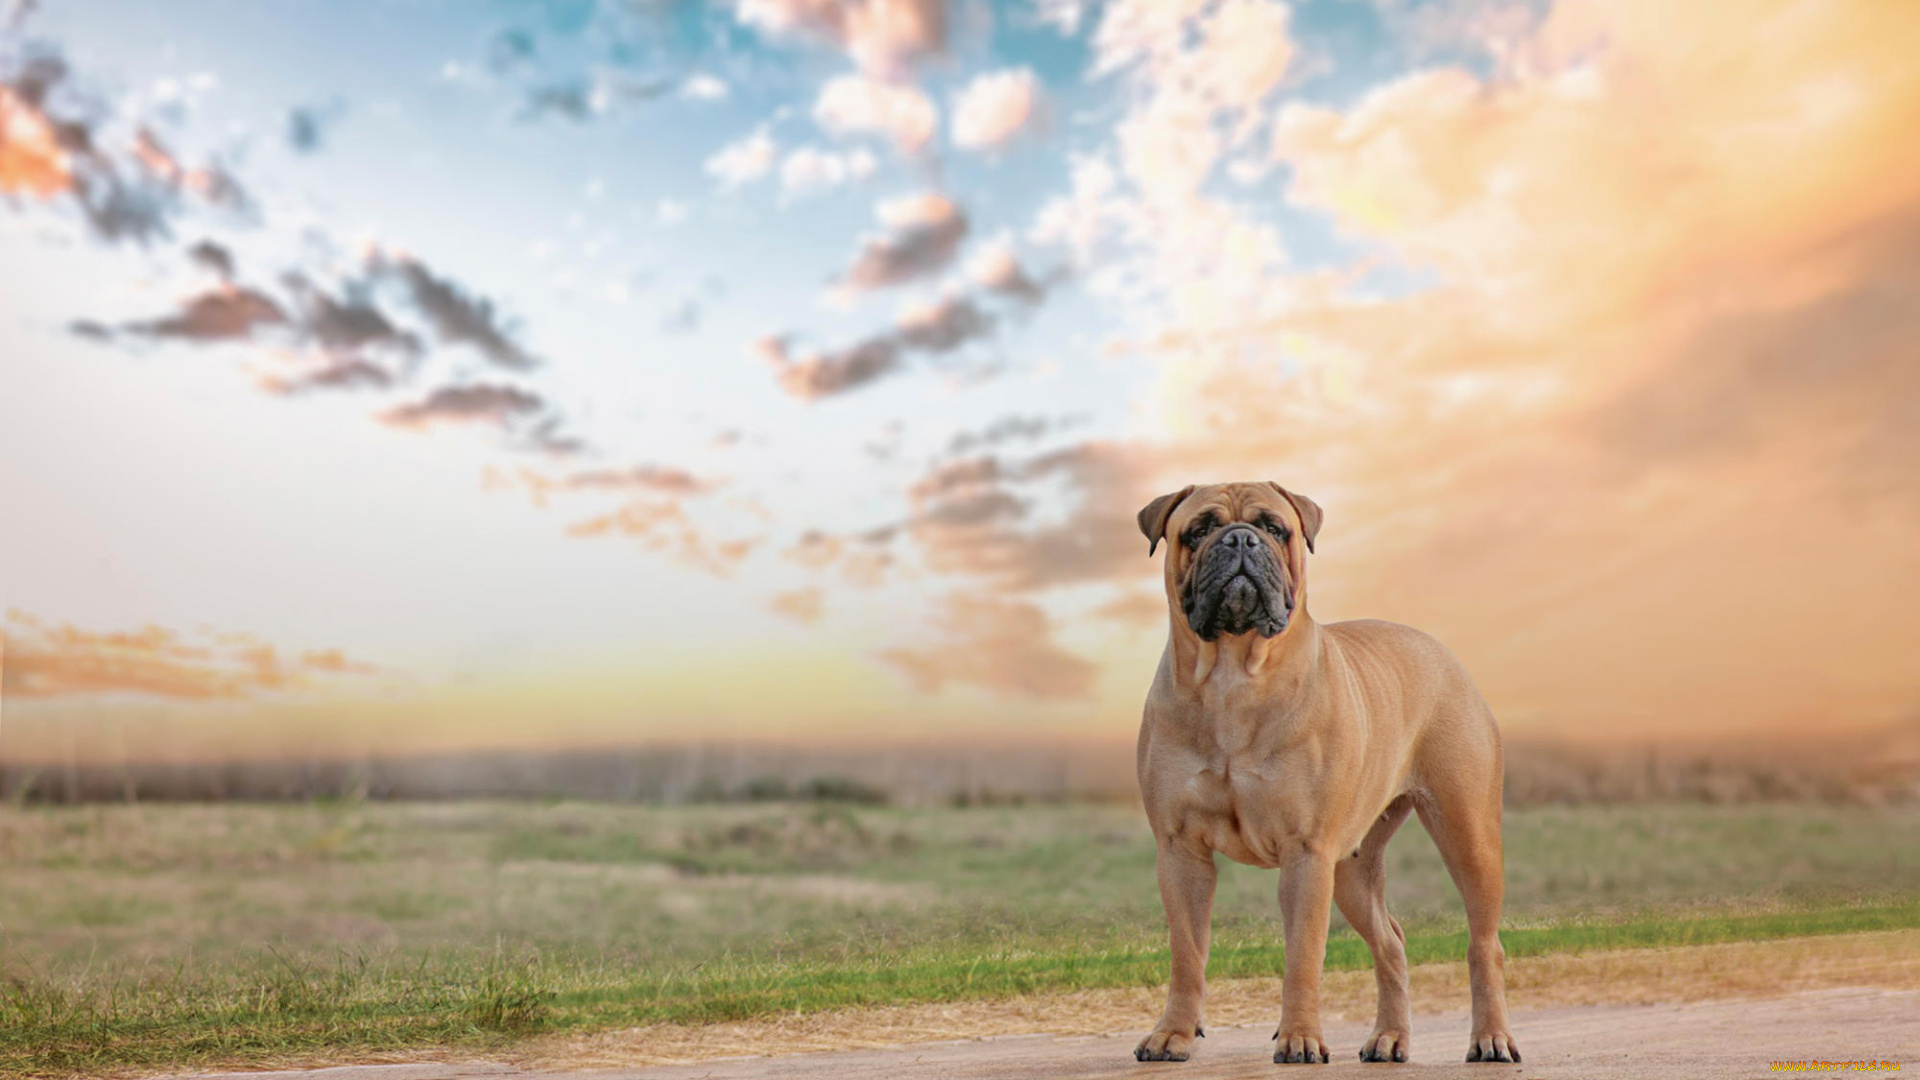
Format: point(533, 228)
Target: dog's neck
point(1244, 659)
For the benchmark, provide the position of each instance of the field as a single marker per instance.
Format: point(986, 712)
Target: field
point(163, 935)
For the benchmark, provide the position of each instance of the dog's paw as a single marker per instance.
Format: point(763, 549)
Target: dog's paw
point(1493, 1046)
point(1385, 1046)
point(1299, 1048)
point(1166, 1045)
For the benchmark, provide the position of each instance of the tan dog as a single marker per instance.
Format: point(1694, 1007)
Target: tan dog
point(1285, 744)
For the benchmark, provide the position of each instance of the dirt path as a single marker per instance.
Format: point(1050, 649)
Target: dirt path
point(1712, 1011)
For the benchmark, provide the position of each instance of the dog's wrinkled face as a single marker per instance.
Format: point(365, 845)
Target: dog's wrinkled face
point(1236, 555)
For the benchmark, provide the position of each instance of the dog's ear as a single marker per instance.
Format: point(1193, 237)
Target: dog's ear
point(1154, 515)
point(1308, 510)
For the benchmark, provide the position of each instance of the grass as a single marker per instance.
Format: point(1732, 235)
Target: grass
point(164, 936)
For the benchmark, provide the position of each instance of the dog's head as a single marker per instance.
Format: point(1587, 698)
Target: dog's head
point(1236, 554)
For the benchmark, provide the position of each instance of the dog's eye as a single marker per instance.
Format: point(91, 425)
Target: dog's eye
point(1198, 531)
point(1278, 530)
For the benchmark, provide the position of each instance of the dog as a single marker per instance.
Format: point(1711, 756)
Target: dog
point(1285, 744)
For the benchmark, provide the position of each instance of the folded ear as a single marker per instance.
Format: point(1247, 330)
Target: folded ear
point(1308, 510)
point(1154, 515)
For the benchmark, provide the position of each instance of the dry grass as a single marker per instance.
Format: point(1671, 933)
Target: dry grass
point(1743, 970)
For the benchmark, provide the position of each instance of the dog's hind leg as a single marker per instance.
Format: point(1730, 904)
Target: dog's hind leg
point(1461, 811)
point(1360, 888)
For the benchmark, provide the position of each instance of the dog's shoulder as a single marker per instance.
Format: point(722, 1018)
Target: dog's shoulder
point(1378, 634)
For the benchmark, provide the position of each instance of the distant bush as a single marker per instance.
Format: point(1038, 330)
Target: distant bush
point(844, 789)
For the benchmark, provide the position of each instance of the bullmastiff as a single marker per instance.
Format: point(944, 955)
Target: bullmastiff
point(1285, 744)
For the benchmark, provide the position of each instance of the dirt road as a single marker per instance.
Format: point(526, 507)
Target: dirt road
point(1701, 1041)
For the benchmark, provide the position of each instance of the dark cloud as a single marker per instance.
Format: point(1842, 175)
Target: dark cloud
point(925, 234)
point(480, 403)
point(307, 125)
point(347, 323)
point(938, 328)
point(814, 375)
point(457, 317)
point(347, 374)
point(49, 150)
point(509, 49)
point(229, 313)
point(549, 437)
point(1008, 429)
point(969, 516)
point(212, 257)
point(944, 326)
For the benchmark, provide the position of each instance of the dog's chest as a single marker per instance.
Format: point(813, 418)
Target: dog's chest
point(1239, 804)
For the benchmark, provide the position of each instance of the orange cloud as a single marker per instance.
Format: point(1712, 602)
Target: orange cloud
point(801, 605)
point(1652, 423)
point(47, 661)
point(663, 526)
point(32, 161)
point(1005, 646)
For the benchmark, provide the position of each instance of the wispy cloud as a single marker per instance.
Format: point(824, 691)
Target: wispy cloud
point(57, 660)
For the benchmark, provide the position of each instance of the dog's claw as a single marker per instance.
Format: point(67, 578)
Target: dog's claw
point(1494, 1048)
point(1300, 1050)
point(1385, 1046)
point(1164, 1045)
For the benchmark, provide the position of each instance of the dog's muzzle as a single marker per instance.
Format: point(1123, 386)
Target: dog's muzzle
point(1236, 586)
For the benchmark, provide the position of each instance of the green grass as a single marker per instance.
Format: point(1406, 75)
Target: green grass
point(166, 936)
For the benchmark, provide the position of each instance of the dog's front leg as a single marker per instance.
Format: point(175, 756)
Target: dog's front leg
point(1306, 898)
point(1186, 891)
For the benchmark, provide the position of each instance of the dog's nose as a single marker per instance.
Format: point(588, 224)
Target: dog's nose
point(1240, 538)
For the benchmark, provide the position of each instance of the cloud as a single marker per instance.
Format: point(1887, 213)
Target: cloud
point(662, 526)
point(1657, 372)
point(350, 373)
point(811, 376)
point(704, 87)
point(211, 182)
point(1007, 429)
point(944, 325)
point(856, 105)
point(348, 324)
point(740, 163)
point(1003, 645)
point(48, 150)
point(307, 125)
point(653, 511)
point(809, 169)
point(886, 38)
point(936, 328)
point(925, 231)
point(650, 479)
point(583, 99)
point(212, 257)
point(980, 516)
point(996, 108)
point(458, 317)
point(996, 269)
point(43, 660)
point(480, 403)
point(803, 606)
point(227, 313)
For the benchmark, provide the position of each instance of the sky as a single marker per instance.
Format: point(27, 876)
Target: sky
point(418, 374)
